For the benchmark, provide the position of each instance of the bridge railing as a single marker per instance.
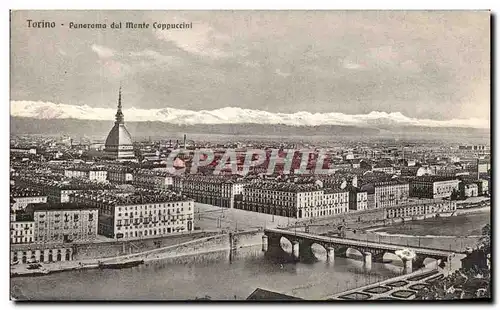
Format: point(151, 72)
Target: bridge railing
point(350, 241)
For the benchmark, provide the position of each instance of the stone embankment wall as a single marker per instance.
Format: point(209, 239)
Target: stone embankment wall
point(202, 245)
point(112, 249)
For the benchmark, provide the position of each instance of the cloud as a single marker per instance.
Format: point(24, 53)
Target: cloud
point(102, 51)
point(351, 65)
point(153, 55)
point(201, 40)
point(281, 73)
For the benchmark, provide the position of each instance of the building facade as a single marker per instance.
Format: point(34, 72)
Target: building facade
point(420, 207)
point(120, 175)
point(142, 214)
point(386, 194)
point(21, 230)
point(90, 173)
point(58, 191)
point(433, 187)
point(24, 196)
point(152, 179)
point(358, 200)
point(214, 190)
point(25, 254)
point(293, 200)
point(63, 222)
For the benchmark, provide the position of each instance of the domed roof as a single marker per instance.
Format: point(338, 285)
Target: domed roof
point(118, 135)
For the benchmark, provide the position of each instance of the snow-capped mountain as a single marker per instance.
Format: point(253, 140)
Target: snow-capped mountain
point(231, 115)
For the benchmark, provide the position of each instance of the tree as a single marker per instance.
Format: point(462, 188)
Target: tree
point(485, 238)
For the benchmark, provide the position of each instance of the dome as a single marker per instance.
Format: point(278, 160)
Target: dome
point(118, 135)
point(118, 144)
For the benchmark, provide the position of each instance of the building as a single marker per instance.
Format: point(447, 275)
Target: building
point(24, 196)
point(58, 191)
point(293, 200)
point(98, 174)
point(63, 222)
point(120, 174)
point(386, 194)
point(482, 187)
point(140, 214)
point(214, 190)
point(118, 145)
point(21, 228)
point(469, 189)
point(358, 200)
point(23, 150)
point(44, 253)
point(383, 167)
point(152, 179)
point(420, 207)
point(433, 187)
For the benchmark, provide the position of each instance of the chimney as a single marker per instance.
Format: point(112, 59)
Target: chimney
point(184, 140)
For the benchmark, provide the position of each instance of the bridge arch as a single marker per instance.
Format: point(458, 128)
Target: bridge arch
point(319, 251)
point(353, 252)
point(392, 258)
point(286, 244)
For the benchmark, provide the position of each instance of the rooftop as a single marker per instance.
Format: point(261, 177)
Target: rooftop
point(216, 179)
point(34, 207)
point(284, 186)
point(432, 178)
point(139, 196)
point(65, 183)
point(17, 191)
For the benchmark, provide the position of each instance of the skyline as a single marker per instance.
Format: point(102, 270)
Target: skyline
point(424, 65)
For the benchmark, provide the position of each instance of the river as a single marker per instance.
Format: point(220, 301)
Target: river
point(210, 274)
point(221, 278)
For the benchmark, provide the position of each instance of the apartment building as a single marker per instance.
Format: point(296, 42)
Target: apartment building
point(140, 214)
point(386, 194)
point(98, 174)
point(433, 187)
point(214, 190)
point(24, 196)
point(293, 200)
point(152, 179)
point(63, 222)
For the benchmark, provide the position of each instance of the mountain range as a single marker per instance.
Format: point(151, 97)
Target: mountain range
point(231, 115)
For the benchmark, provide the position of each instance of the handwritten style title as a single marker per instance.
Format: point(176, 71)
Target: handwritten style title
point(114, 25)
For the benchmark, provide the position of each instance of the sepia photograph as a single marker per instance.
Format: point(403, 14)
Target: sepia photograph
point(250, 155)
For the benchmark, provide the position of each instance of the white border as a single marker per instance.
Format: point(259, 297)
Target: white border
point(190, 4)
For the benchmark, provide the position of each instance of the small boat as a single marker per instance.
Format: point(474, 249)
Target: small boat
point(121, 265)
point(34, 266)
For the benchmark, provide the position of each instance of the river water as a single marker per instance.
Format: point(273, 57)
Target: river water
point(210, 274)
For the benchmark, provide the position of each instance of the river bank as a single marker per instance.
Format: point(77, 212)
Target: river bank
point(464, 222)
point(197, 246)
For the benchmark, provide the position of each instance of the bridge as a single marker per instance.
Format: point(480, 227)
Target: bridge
point(337, 247)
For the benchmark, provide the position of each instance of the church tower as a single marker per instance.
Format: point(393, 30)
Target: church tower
point(118, 144)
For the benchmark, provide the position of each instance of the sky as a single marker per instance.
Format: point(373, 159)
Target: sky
point(429, 65)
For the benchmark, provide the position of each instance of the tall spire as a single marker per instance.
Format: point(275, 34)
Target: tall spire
point(119, 114)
